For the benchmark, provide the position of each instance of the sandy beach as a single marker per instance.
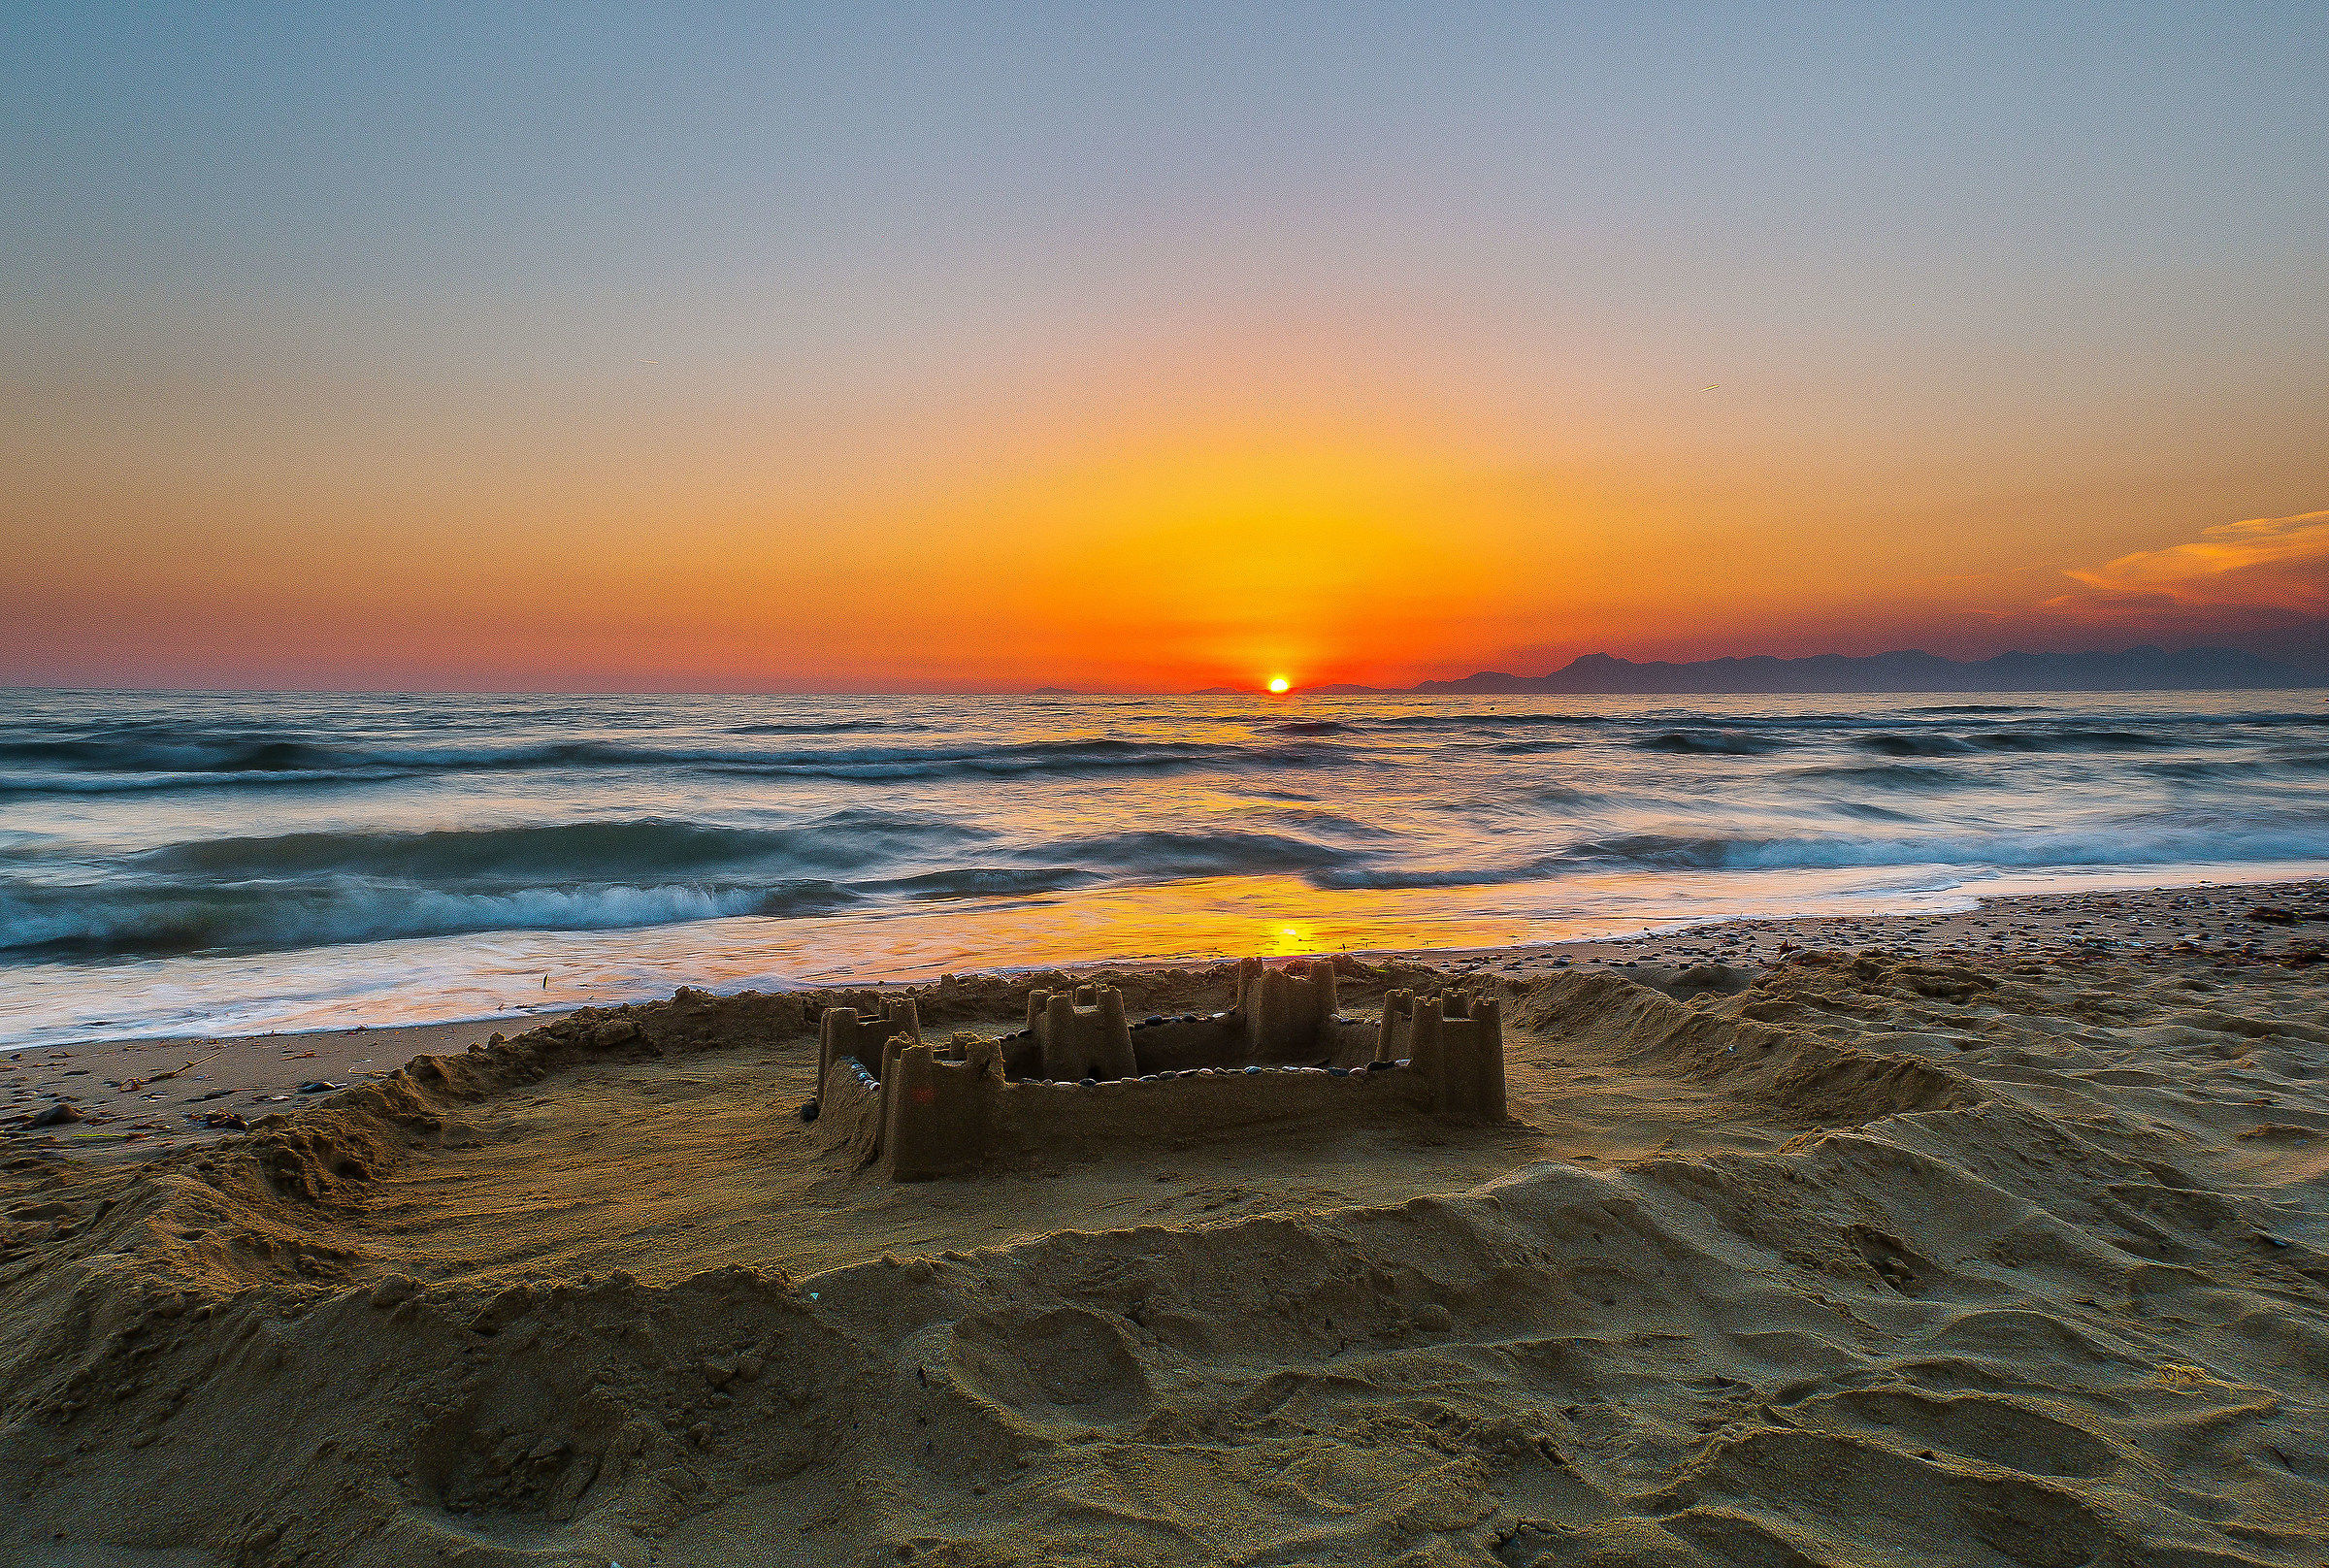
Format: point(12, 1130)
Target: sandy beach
point(1986, 1238)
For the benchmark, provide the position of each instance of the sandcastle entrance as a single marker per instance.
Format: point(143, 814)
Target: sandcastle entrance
point(1081, 1068)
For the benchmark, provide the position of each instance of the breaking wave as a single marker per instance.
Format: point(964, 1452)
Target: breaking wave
point(1893, 775)
point(117, 764)
point(1711, 743)
point(179, 918)
point(599, 851)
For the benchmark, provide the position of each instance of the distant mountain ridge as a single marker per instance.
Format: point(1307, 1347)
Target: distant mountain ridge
point(1909, 670)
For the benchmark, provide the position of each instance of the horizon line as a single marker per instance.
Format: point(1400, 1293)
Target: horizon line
point(1259, 688)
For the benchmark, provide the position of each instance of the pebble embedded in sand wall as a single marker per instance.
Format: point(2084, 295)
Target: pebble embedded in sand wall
point(843, 1032)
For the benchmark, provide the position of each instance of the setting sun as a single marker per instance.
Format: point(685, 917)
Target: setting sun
point(1279, 684)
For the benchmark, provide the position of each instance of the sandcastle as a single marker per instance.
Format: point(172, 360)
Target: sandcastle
point(1082, 1071)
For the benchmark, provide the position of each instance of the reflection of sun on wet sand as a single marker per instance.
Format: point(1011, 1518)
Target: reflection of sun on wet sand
point(1843, 1258)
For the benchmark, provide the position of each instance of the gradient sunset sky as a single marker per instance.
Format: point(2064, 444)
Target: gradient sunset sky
point(863, 347)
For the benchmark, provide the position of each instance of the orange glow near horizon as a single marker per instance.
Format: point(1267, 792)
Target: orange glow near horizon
point(945, 353)
point(1123, 549)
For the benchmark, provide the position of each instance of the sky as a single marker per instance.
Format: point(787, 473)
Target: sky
point(877, 347)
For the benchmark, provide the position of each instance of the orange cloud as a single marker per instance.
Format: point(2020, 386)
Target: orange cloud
point(2265, 563)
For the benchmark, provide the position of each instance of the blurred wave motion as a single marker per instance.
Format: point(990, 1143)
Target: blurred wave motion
point(229, 863)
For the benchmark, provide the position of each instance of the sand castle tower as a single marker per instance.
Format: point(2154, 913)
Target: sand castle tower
point(938, 1115)
point(1081, 1033)
point(1285, 1011)
point(842, 1032)
point(1456, 1046)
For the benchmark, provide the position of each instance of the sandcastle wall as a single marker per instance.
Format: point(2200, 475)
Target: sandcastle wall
point(1081, 1074)
point(849, 1109)
point(1136, 1111)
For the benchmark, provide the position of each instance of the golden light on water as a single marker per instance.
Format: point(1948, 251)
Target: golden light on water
point(1290, 940)
point(1279, 684)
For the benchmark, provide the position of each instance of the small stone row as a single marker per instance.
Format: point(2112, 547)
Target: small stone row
point(1251, 1069)
point(1160, 1020)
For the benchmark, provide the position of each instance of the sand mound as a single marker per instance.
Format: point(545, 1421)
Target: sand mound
point(1881, 1263)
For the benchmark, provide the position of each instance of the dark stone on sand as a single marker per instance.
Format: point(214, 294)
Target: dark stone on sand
point(808, 1111)
point(56, 1115)
point(502, 1311)
point(395, 1288)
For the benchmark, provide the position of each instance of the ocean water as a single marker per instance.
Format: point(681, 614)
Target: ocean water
point(239, 864)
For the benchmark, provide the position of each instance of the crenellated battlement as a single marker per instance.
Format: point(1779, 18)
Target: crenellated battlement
point(1457, 1043)
point(1284, 1010)
point(939, 1113)
point(842, 1031)
point(1081, 1035)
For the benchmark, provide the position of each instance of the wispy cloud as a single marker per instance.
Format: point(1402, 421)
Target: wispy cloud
point(2265, 563)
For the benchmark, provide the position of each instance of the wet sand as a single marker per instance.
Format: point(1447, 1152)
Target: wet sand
point(126, 1112)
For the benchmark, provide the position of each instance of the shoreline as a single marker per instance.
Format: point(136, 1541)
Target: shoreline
point(138, 1098)
point(505, 980)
